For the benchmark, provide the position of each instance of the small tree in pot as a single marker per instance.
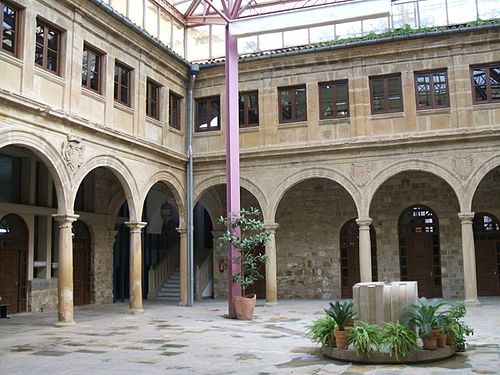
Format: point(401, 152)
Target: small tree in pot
point(342, 314)
point(247, 234)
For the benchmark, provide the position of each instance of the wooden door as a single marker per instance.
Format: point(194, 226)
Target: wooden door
point(487, 248)
point(420, 263)
point(81, 264)
point(13, 263)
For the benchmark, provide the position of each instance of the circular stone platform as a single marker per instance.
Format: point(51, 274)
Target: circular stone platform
point(415, 356)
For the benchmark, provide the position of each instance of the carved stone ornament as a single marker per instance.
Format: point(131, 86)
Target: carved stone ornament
point(72, 152)
point(360, 173)
point(463, 165)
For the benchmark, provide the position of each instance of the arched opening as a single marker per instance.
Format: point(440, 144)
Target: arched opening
point(487, 247)
point(419, 250)
point(81, 263)
point(13, 263)
point(310, 217)
point(349, 256)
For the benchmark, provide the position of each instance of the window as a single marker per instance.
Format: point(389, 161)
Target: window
point(91, 69)
point(333, 99)
point(174, 111)
point(249, 109)
point(486, 83)
point(8, 28)
point(208, 114)
point(292, 102)
point(432, 89)
point(48, 45)
point(386, 94)
point(122, 84)
point(152, 99)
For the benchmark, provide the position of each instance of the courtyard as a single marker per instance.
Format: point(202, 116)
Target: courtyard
point(169, 339)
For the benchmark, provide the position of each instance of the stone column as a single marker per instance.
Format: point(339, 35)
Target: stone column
point(183, 266)
point(135, 267)
point(365, 250)
point(469, 259)
point(65, 315)
point(271, 268)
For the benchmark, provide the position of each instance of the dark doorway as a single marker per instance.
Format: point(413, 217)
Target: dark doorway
point(259, 285)
point(419, 252)
point(13, 263)
point(81, 263)
point(487, 248)
point(349, 257)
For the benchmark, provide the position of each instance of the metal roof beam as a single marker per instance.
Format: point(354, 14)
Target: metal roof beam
point(310, 17)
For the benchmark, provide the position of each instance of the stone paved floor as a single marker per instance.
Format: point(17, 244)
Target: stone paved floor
point(170, 339)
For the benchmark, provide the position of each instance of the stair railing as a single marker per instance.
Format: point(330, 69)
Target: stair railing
point(203, 275)
point(159, 273)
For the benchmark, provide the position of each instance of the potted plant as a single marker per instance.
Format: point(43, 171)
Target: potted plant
point(342, 314)
point(321, 331)
point(454, 327)
point(398, 339)
point(425, 317)
point(246, 233)
point(365, 337)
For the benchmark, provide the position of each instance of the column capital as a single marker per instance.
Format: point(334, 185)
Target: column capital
point(65, 220)
point(364, 222)
point(135, 227)
point(271, 227)
point(182, 231)
point(466, 217)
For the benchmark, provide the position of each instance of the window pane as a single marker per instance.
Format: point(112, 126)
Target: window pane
point(423, 89)
point(440, 89)
point(198, 42)
point(135, 11)
point(286, 105)
point(300, 103)
point(495, 83)
point(321, 34)
point(52, 60)
point(178, 39)
point(9, 29)
point(394, 93)
point(40, 30)
point(53, 40)
point(342, 99)
point(38, 54)
point(165, 29)
point(84, 68)
point(378, 94)
point(253, 116)
point(479, 76)
point(124, 77)
point(432, 12)
point(461, 11)
point(215, 110)
point(295, 38)
point(218, 41)
point(202, 114)
point(124, 95)
point(151, 18)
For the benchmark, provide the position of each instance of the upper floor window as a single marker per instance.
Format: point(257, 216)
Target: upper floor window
point(432, 89)
point(122, 83)
point(48, 47)
point(249, 109)
point(333, 99)
point(486, 83)
point(153, 99)
point(91, 69)
point(292, 104)
point(386, 94)
point(174, 111)
point(8, 28)
point(207, 114)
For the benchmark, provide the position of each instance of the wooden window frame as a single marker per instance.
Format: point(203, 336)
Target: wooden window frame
point(333, 99)
point(48, 27)
point(385, 79)
point(488, 83)
point(293, 101)
point(153, 86)
point(430, 74)
point(209, 100)
point(174, 122)
point(88, 49)
point(117, 95)
point(16, 9)
point(244, 121)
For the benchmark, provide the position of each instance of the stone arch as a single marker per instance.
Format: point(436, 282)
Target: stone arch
point(214, 206)
point(53, 161)
point(121, 171)
point(173, 184)
point(412, 165)
point(484, 168)
point(220, 179)
point(307, 174)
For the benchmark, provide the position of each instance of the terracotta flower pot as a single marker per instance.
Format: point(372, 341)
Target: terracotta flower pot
point(430, 343)
point(441, 339)
point(434, 332)
point(450, 339)
point(341, 339)
point(244, 306)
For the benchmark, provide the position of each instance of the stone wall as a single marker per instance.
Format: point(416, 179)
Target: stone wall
point(43, 295)
point(310, 217)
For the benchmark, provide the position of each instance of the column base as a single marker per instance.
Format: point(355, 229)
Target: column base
point(65, 324)
point(472, 302)
point(135, 311)
point(271, 304)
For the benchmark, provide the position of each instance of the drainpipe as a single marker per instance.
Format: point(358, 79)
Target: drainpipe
point(189, 171)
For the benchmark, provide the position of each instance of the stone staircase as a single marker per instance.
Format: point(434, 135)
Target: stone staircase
point(170, 291)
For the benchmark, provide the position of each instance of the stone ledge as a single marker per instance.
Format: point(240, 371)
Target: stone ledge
point(415, 356)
